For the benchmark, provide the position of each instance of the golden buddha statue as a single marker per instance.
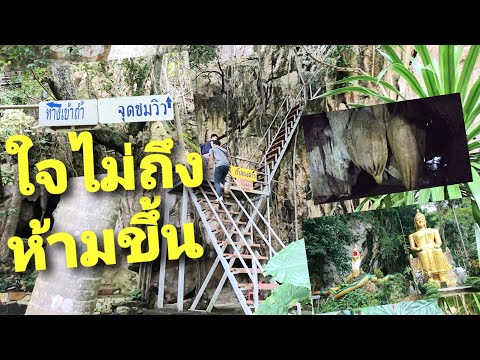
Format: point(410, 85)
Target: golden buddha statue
point(428, 245)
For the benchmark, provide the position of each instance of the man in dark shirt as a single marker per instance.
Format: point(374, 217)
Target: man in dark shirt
point(204, 150)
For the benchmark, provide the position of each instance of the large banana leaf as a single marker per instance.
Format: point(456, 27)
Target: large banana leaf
point(420, 307)
point(282, 299)
point(477, 234)
point(290, 265)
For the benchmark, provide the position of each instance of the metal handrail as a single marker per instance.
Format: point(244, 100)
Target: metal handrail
point(297, 101)
point(253, 223)
point(268, 129)
point(230, 218)
point(247, 160)
point(308, 83)
point(259, 213)
point(229, 239)
point(220, 251)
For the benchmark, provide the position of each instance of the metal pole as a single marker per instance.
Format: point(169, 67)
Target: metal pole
point(268, 213)
point(255, 286)
point(181, 262)
point(163, 255)
point(5, 107)
point(295, 186)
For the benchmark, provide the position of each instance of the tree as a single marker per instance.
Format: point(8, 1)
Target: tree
point(59, 290)
point(325, 241)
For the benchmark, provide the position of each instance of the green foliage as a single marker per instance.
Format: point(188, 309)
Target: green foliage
point(432, 77)
point(29, 281)
point(392, 291)
point(448, 218)
point(16, 122)
point(6, 212)
point(25, 87)
point(378, 273)
point(72, 52)
point(340, 54)
point(33, 56)
point(290, 265)
point(430, 290)
point(295, 287)
point(7, 282)
point(419, 307)
point(325, 240)
point(201, 55)
point(389, 229)
point(136, 72)
point(473, 281)
point(282, 299)
point(461, 304)
point(354, 300)
point(28, 56)
point(136, 294)
point(8, 175)
point(473, 266)
point(386, 292)
point(12, 97)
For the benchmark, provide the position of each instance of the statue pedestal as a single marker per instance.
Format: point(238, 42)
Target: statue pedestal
point(420, 278)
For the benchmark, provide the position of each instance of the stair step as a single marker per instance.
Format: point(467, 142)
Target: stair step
point(245, 256)
point(282, 133)
point(278, 140)
point(252, 303)
point(294, 108)
point(246, 233)
point(226, 221)
point(230, 212)
point(291, 116)
point(210, 193)
point(239, 243)
point(216, 202)
point(242, 270)
point(272, 157)
point(274, 150)
point(261, 286)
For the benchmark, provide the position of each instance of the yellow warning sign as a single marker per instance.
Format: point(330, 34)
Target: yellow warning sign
point(243, 173)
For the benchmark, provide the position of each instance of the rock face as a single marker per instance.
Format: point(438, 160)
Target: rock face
point(119, 277)
point(254, 88)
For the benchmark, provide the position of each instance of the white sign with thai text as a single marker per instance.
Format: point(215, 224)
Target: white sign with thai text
point(68, 113)
point(135, 109)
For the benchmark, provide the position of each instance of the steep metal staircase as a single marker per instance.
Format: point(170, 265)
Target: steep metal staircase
point(277, 138)
point(239, 249)
point(237, 228)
